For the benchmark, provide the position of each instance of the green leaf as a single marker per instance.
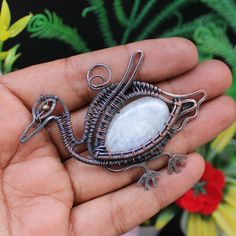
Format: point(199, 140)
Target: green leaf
point(213, 39)
point(103, 22)
point(5, 17)
point(164, 217)
point(131, 21)
point(120, 13)
point(225, 8)
point(223, 139)
point(166, 13)
point(87, 10)
point(146, 8)
point(230, 171)
point(3, 55)
point(19, 25)
point(184, 222)
point(187, 29)
point(51, 26)
point(10, 59)
point(232, 90)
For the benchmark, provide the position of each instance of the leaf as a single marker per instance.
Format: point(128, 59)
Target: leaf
point(4, 35)
point(19, 25)
point(120, 13)
point(3, 55)
point(86, 10)
point(223, 139)
point(231, 180)
point(232, 90)
point(11, 58)
point(164, 217)
point(225, 220)
point(129, 28)
point(5, 17)
point(147, 7)
point(204, 56)
point(230, 171)
point(51, 26)
point(166, 13)
point(213, 39)
point(184, 222)
point(135, 18)
point(187, 29)
point(103, 22)
point(225, 8)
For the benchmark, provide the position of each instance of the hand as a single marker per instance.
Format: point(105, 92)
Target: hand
point(41, 195)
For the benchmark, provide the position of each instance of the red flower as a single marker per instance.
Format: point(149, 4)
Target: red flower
point(206, 195)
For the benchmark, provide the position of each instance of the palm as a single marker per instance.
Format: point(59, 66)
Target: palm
point(36, 186)
point(40, 195)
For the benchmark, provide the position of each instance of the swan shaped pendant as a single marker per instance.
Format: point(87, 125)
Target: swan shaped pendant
point(127, 123)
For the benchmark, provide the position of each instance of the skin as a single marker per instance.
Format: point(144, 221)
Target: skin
point(43, 192)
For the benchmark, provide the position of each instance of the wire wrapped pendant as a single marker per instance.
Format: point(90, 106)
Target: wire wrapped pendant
point(105, 116)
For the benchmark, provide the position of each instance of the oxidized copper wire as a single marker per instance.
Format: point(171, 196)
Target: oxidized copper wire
point(106, 104)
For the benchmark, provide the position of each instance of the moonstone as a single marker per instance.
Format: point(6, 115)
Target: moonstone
point(136, 124)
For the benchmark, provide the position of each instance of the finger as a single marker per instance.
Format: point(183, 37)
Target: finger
point(211, 74)
point(120, 211)
point(66, 78)
point(10, 108)
point(91, 181)
point(14, 117)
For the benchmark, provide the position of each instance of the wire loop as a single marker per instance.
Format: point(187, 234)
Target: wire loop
point(104, 81)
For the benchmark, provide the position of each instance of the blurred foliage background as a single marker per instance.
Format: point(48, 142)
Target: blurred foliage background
point(117, 22)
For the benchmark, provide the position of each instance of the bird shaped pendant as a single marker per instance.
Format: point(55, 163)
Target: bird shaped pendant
point(127, 123)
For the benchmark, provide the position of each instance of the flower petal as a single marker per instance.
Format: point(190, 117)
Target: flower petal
point(197, 225)
point(230, 198)
point(18, 26)
point(192, 229)
point(209, 172)
point(223, 139)
point(211, 227)
point(4, 35)
point(219, 178)
point(233, 190)
point(206, 226)
point(5, 17)
point(213, 193)
point(225, 220)
point(213, 198)
point(190, 202)
point(208, 209)
point(213, 175)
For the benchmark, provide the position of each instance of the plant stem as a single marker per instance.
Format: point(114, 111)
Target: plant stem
point(162, 16)
point(131, 21)
point(103, 22)
point(187, 29)
point(143, 13)
point(120, 13)
point(49, 25)
point(225, 8)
